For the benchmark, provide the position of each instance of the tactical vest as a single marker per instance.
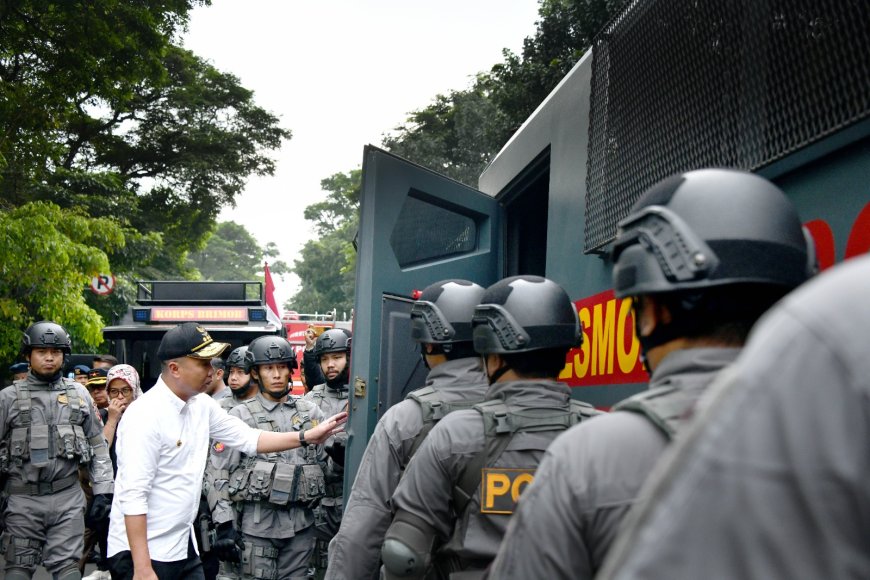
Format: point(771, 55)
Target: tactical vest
point(318, 393)
point(37, 444)
point(432, 409)
point(668, 408)
point(265, 478)
point(229, 403)
point(500, 424)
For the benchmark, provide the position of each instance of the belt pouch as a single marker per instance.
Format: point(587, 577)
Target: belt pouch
point(39, 445)
point(282, 485)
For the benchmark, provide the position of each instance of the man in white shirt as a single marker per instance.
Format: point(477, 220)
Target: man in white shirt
point(162, 447)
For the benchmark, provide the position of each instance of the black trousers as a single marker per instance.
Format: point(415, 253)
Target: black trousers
point(121, 566)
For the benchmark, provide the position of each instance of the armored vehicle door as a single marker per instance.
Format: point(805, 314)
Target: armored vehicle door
point(416, 227)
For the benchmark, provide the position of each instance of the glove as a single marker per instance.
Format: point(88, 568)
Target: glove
point(336, 452)
point(98, 514)
point(228, 543)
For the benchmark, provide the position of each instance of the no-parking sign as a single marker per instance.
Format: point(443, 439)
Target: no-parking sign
point(103, 284)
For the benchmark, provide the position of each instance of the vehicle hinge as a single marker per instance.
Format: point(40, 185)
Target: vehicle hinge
point(359, 387)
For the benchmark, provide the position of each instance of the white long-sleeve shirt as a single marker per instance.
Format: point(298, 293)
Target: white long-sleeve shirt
point(162, 447)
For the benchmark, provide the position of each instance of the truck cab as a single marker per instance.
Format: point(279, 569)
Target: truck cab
point(233, 312)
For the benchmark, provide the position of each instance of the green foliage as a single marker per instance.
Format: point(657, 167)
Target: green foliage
point(49, 255)
point(327, 265)
point(564, 33)
point(231, 253)
point(102, 115)
point(458, 134)
point(58, 58)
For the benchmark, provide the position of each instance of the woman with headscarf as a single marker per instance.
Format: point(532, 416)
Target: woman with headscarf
point(123, 387)
point(122, 382)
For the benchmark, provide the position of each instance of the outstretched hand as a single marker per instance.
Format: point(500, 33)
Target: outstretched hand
point(326, 429)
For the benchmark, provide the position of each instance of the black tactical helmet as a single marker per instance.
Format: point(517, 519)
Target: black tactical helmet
point(442, 315)
point(46, 334)
point(709, 228)
point(522, 314)
point(265, 350)
point(333, 340)
point(237, 359)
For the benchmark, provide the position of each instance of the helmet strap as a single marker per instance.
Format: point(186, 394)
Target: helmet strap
point(239, 391)
point(279, 395)
point(661, 334)
point(47, 378)
point(497, 374)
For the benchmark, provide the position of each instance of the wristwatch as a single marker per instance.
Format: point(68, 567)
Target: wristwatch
point(302, 440)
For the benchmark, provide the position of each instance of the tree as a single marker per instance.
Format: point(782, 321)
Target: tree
point(49, 256)
point(231, 253)
point(563, 34)
point(458, 134)
point(327, 265)
point(60, 58)
point(101, 113)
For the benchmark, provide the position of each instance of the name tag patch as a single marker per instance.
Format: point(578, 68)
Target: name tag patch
point(500, 488)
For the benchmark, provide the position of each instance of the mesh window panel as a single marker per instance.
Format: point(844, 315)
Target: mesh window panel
point(685, 84)
point(426, 232)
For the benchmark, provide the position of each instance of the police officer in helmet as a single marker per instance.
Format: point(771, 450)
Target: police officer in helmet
point(701, 255)
point(441, 325)
point(771, 479)
point(523, 329)
point(332, 351)
point(241, 386)
point(49, 426)
point(263, 506)
point(239, 378)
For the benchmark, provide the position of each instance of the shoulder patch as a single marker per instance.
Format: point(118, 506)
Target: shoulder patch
point(218, 447)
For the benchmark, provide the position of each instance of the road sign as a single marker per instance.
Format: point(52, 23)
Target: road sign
point(103, 284)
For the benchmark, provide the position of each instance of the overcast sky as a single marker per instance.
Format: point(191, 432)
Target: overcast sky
point(339, 74)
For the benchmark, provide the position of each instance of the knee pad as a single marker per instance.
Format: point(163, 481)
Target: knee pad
point(408, 546)
point(18, 574)
point(70, 572)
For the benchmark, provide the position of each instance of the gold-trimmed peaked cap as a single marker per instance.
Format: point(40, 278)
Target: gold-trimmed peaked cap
point(97, 377)
point(190, 339)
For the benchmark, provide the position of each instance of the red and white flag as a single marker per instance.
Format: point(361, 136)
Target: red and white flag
point(273, 315)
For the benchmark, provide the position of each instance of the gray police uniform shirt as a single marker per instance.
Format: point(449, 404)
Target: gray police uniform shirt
point(426, 490)
point(331, 402)
point(49, 406)
point(591, 476)
point(355, 551)
point(225, 392)
point(772, 479)
point(261, 519)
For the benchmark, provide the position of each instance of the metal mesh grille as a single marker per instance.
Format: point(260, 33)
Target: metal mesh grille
point(427, 232)
point(685, 84)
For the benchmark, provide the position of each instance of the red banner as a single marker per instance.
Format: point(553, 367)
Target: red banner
point(610, 353)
